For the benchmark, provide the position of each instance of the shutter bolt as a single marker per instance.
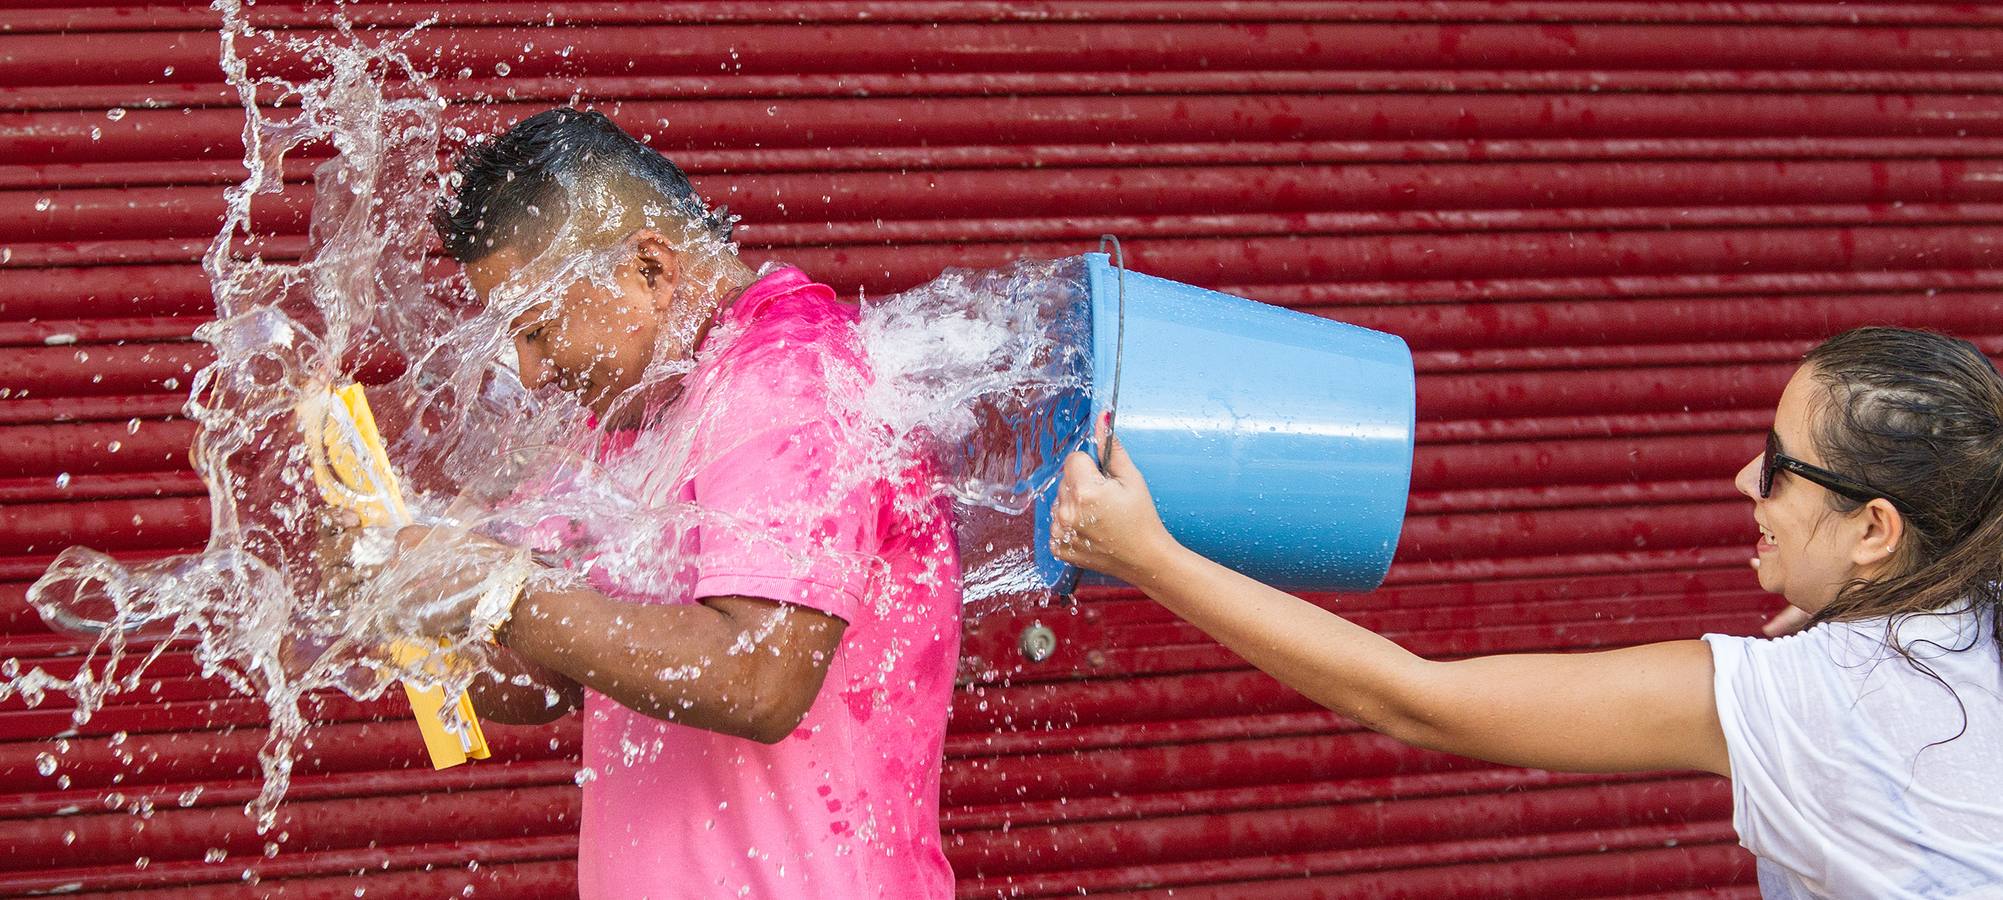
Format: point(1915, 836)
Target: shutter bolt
point(1037, 643)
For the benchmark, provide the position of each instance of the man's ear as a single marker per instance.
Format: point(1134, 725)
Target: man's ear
point(658, 265)
point(1884, 528)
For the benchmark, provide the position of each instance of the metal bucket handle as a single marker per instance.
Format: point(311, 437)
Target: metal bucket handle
point(1118, 257)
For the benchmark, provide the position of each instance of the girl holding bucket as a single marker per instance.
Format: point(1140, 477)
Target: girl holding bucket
point(1865, 752)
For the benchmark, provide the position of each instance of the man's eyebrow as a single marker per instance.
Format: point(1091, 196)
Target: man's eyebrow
point(542, 311)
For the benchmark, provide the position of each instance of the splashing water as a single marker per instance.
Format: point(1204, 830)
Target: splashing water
point(987, 372)
point(252, 601)
point(962, 387)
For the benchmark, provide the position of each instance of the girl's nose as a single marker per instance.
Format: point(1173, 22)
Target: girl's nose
point(1748, 479)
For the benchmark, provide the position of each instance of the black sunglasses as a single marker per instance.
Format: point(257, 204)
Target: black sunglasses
point(1774, 461)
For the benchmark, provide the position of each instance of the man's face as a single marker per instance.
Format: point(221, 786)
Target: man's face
point(592, 340)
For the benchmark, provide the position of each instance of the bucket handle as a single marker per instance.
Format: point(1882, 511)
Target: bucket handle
point(1119, 260)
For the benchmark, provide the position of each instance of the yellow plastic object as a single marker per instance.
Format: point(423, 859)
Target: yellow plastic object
point(353, 471)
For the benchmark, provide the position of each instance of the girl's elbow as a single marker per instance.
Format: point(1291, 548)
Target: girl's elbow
point(1411, 713)
point(1401, 725)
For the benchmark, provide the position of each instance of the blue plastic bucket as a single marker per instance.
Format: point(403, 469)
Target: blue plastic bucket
point(1274, 442)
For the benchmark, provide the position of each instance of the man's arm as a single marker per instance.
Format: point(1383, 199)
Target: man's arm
point(743, 666)
point(526, 694)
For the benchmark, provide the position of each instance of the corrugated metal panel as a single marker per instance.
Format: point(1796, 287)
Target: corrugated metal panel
point(1606, 228)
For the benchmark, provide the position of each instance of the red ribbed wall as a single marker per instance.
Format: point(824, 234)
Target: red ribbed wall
point(1606, 228)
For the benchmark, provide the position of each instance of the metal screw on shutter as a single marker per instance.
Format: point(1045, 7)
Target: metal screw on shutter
point(1037, 642)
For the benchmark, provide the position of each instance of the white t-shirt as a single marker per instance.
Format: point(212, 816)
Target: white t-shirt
point(1834, 785)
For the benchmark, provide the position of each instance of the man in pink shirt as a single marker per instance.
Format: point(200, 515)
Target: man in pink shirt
point(765, 685)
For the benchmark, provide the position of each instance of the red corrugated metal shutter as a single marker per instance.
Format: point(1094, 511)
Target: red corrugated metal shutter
point(1606, 228)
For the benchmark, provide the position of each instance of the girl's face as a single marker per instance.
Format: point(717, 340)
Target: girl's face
point(1808, 551)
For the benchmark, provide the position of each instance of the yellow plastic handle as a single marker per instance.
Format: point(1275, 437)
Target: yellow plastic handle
point(352, 471)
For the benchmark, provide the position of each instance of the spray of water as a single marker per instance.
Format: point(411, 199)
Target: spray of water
point(962, 386)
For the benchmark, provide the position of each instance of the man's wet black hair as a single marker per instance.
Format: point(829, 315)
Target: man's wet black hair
point(512, 185)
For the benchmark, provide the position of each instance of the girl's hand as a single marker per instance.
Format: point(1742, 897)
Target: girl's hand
point(1106, 521)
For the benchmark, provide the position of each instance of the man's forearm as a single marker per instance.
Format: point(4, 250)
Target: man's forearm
point(523, 693)
point(685, 663)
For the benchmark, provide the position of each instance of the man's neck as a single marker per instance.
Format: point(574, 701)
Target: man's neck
point(726, 278)
point(731, 276)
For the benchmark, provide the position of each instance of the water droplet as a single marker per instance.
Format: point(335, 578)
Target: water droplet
point(42, 204)
point(132, 427)
point(142, 862)
point(115, 113)
point(501, 68)
point(189, 796)
point(172, 384)
point(215, 855)
point(62, 481)
point(114, 447)
point(45, 763)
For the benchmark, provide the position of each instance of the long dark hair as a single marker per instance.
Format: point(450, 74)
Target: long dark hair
point(1919, 416)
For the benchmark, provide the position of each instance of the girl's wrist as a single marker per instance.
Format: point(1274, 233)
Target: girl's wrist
point(1154, 561)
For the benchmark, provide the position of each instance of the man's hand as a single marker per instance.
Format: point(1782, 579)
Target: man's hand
point(336, 531)
point(435, 580)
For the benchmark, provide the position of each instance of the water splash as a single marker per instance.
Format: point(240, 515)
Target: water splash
point(251, 604)
point(962, 384)
point(988, 372)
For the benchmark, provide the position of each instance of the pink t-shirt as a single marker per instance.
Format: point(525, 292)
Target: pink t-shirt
point(766, 456)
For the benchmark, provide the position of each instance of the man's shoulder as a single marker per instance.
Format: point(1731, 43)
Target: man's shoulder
point(797, 340)
point(783, 296)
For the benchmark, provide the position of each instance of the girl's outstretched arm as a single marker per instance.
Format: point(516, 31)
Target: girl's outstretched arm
point(1637, 708)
